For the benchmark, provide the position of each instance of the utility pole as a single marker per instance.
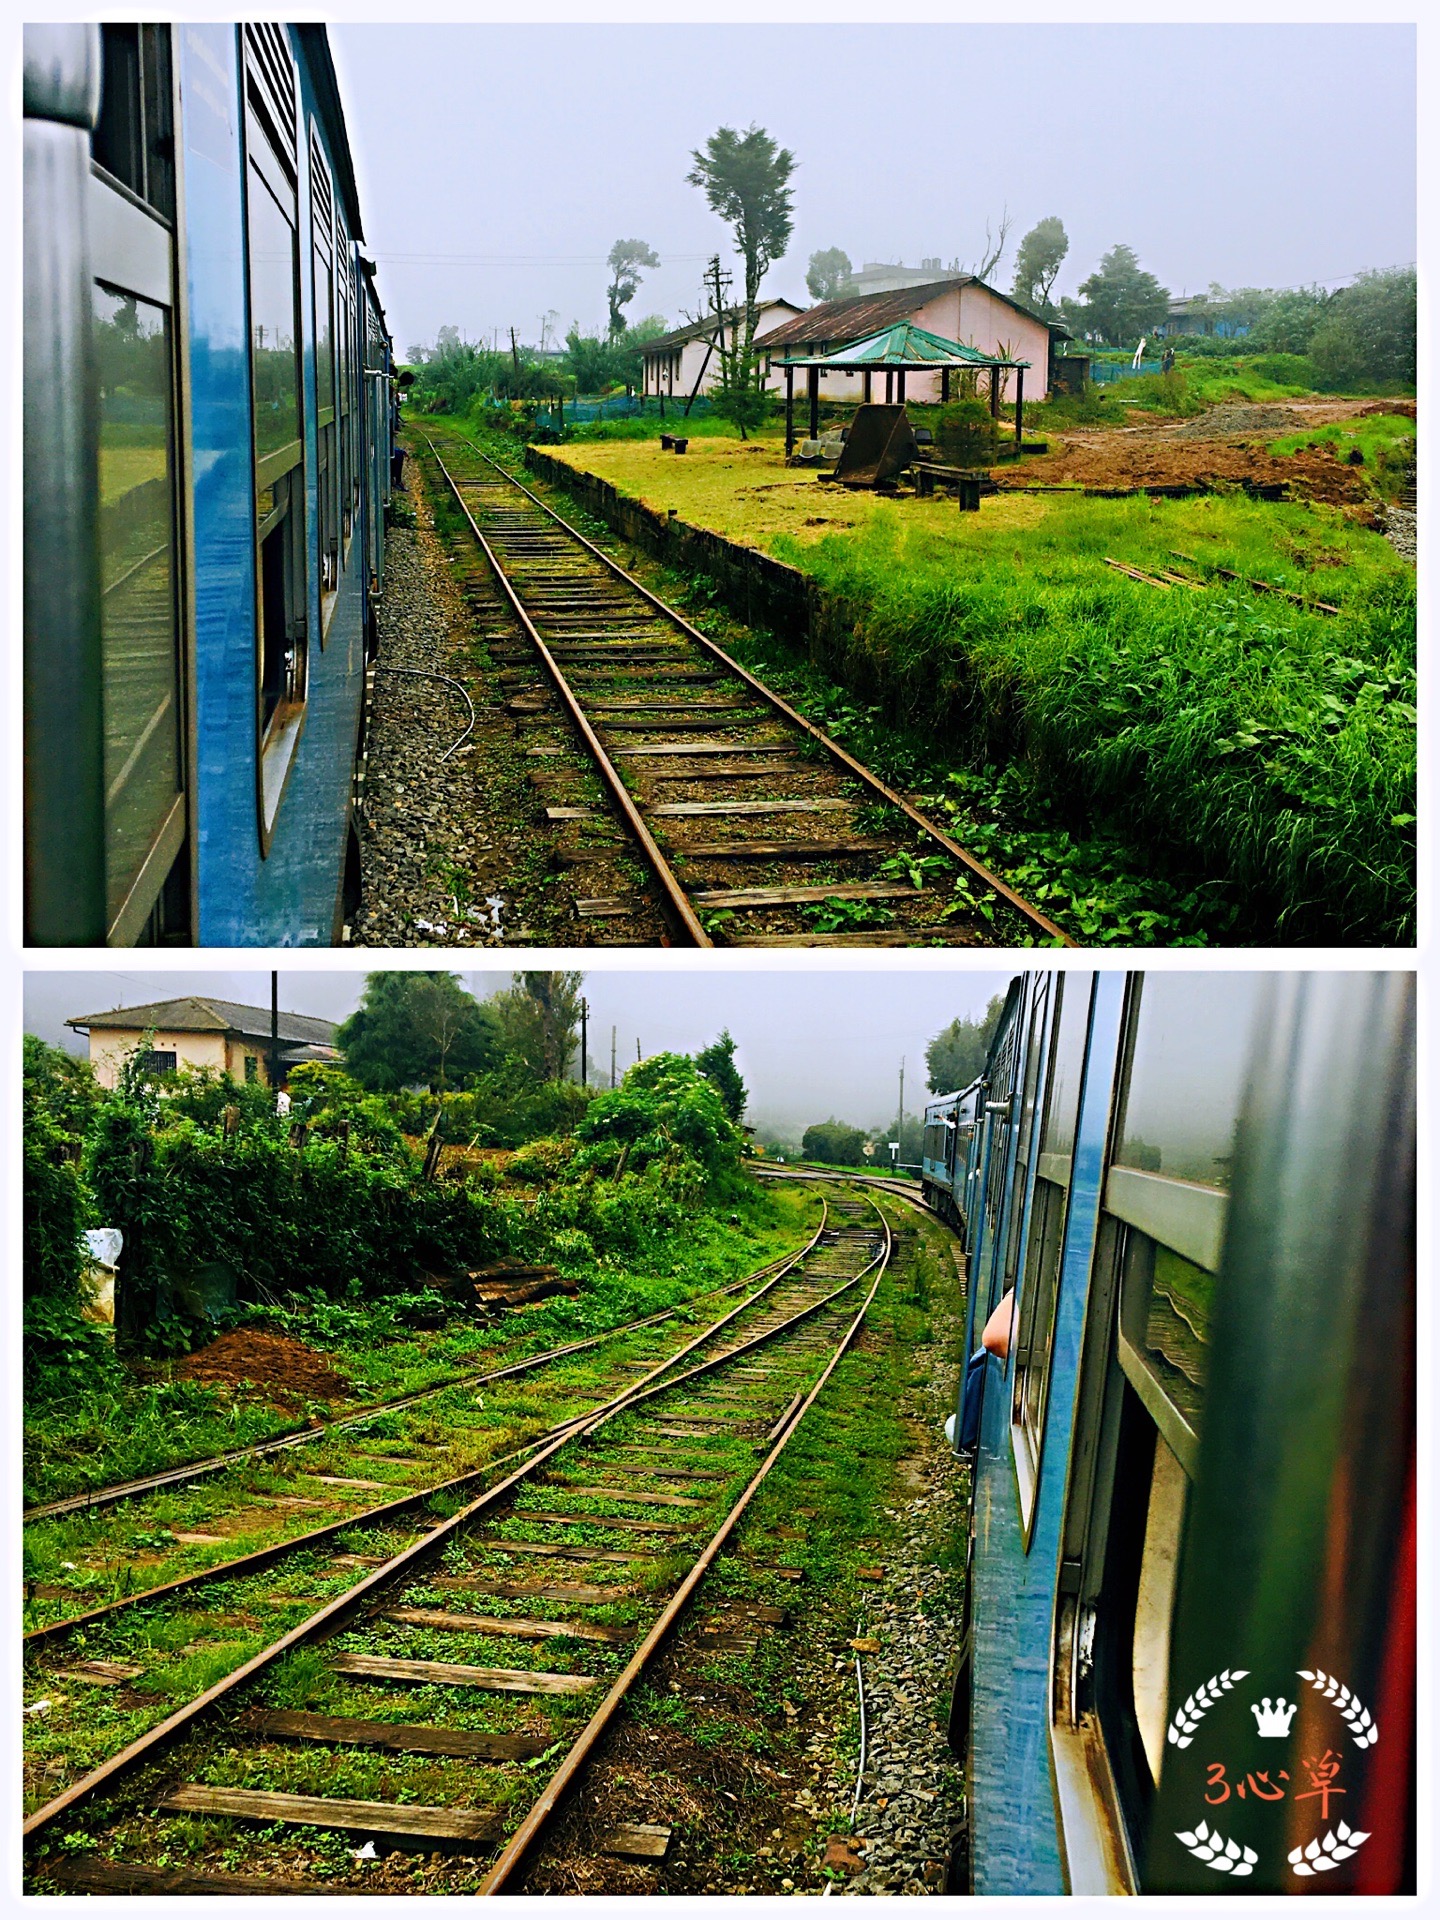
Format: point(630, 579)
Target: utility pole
point(900, 1123)
point(274, 1030)
point(637, 1049)
point(612, 1058)
point(584, 1030)
point(717, 291)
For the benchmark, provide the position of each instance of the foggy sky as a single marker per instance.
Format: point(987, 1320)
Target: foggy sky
point(1250, 155)
point(808, 1045)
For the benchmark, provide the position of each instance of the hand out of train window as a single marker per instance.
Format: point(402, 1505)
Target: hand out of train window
point(996, 1337)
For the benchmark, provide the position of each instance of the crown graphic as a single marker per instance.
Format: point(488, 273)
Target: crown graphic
point(1273, 1722)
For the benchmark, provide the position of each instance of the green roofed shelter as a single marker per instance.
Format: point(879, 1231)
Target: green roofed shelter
point(895, 351)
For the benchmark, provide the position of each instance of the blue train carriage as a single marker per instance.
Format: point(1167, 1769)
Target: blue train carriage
point(1188, 1661)
point(948, 1153)
point(207, 458)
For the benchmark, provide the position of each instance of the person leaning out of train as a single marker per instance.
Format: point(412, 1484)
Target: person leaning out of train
point(995, 1339)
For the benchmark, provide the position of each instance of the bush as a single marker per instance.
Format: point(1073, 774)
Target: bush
point(837, 1144)
point(664, 1110)
point(966, 433)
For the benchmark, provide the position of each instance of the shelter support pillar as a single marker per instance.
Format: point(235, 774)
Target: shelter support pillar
point(900, 386)
point(866, 378)
point(789, 411)
point(813, 383)
point(945, 386)
point(996, 377)
point(1019, 406)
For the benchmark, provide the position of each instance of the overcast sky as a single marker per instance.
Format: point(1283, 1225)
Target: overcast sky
point(809, 1045)
point(497, 164)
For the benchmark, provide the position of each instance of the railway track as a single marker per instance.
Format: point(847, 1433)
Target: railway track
point(755, 828)
point(567, 1574)
point(251, 1509)
point(93, 1499)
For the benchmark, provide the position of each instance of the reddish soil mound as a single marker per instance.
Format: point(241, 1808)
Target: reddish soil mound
point(284, 1368)
point(1145, 462)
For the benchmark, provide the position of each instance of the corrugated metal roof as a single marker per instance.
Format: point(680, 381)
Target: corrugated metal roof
point(839, 321)
point(194, 1015)
point(905, 345)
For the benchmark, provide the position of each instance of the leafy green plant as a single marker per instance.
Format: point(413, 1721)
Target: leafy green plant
point(842, 916)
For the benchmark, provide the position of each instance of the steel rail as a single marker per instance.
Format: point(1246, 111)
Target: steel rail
point(248, 1563)
point(675, 894)
point(792, 714)
point(98, 1497)
point(333, 1616)
point(868, 1181)
point(524, 1837)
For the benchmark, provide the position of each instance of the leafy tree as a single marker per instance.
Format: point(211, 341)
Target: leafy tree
point(1289, 322)
point(664, 1111)
point(1122, 300)
point(717, 1063)
point(745, 178)
point(1038, 263)
point(956, 1055)
point(627, 261)
point(417, 1029)
point(595, 364)
point(539, 1020)
point(59, 1101)
point(837, 1144)
point(1368, 332)
point(829, 275)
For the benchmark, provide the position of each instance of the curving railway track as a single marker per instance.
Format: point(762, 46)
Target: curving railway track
point(474, 1665)
point(752, 827)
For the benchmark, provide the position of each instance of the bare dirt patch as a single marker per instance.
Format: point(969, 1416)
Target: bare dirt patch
point(284, 1369)
point(1124, 461)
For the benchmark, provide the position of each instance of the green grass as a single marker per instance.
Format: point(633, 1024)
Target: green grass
point(1276, 744)
point(1387, 442)
point(125, 1429)
point(1252, 745)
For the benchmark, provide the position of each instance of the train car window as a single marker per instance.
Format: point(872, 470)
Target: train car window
point(1036, 1303)
point(139, 618)
point(274, 337)
point(1188, 1044)
point(134, 138)
point(1190, 1041)
point(322, 241)
point(1025, 1131)
point(272, 246)
point(1165, 1307)
point(1155, 1602)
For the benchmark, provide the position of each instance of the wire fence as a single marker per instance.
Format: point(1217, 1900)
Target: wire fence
point(1103, 372)
point(620, 406)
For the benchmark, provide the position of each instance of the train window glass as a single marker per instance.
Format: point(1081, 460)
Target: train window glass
point(1155, 1602)
point(273, 338)
point(327, 540)
point(1190, 1039)
point(1068, 1050)
point(1035, 1325)
point(1165, 1310)
point(1025, 1139)
point(139, 615)
point(134, 138)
